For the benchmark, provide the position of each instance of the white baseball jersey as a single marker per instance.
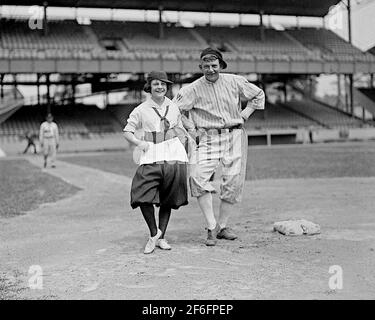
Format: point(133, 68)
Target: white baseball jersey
point(49, 131)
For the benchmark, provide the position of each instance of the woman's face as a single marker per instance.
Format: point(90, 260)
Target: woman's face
point(158, 88)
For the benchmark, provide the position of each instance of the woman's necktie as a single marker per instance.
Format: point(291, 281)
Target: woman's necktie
point(164, 123)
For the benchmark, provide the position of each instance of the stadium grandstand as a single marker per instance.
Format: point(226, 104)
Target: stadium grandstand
point(114, 56)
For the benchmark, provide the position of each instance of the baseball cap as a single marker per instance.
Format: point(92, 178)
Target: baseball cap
point(158, 75)
point(216, 53)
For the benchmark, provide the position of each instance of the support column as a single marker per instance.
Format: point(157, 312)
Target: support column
point(1, 86)
point(141, 79)
point(38, 88)
point(48, 93)
point(351, 101)
point(349, 21)
point(73, 100)
point(106, 92)
point(363, 114)
point(161, 25)
point(310, 86)
point(338, 90)
point(350, 41)
point(15, 86)
point(268, 138)
point(45, 19)
point(261, 25)
point(346, 93)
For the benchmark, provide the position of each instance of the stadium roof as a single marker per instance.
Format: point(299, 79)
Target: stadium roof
point(312, 8)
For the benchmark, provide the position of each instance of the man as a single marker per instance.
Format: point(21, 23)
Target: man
point(30, 137)
point(49, 140)
point(211, 109)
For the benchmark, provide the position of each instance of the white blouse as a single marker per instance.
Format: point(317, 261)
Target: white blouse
point(145, 118)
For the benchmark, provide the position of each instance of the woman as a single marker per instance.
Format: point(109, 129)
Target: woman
point(160, 179)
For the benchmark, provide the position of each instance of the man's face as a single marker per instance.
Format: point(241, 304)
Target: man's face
point(49, 119)
point(211, 68)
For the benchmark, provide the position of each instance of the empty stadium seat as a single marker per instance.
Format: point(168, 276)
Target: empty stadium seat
point(64, 39)
point(247, 39)
point(327, 43)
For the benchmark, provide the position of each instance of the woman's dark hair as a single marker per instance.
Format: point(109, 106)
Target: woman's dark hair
point(147, 86)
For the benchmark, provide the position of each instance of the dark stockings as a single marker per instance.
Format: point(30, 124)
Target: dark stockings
point(149, 216)
point(164, 215)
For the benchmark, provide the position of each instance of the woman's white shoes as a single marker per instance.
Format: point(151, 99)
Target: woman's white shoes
point(163, 244)
point(151, 243)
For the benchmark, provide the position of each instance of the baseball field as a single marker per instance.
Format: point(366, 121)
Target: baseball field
point(70, 233)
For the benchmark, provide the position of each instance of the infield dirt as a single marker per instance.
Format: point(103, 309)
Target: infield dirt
point(89, 246)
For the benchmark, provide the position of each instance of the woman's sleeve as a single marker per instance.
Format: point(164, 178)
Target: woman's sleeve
point(134, 121)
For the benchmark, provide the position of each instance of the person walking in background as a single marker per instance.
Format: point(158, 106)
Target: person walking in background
point(161, 178)
point(211, 112)
point(30, 138)
point(49, 140)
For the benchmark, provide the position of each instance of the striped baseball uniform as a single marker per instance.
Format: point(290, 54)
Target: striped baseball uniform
point(214, 110)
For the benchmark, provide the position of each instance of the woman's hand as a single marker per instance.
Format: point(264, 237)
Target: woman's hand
point(144, 146)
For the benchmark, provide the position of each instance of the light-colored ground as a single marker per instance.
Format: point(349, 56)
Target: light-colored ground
point(110, 141)
point(90, 245)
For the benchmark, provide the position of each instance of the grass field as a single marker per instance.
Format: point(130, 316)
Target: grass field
point(24, 187)
point(317, 161)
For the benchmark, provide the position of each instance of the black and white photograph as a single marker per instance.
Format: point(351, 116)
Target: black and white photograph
point(196, 152)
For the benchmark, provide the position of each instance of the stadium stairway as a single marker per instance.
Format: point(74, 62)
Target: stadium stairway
point(327, 116)
point(11, 101)
point(360, 99)
point(366, 98)
point(277, 116)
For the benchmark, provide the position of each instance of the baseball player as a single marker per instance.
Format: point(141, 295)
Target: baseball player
point(49, 140)
point(211, 111)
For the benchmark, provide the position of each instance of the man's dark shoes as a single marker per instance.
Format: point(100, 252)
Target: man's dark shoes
point(211, 236)
point(227, 234)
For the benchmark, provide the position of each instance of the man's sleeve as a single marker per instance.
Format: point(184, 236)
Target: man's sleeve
point(184, 100)
point(252, 93)
point(134, 121)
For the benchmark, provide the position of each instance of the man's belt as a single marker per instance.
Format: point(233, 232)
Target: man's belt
point(214, 131)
